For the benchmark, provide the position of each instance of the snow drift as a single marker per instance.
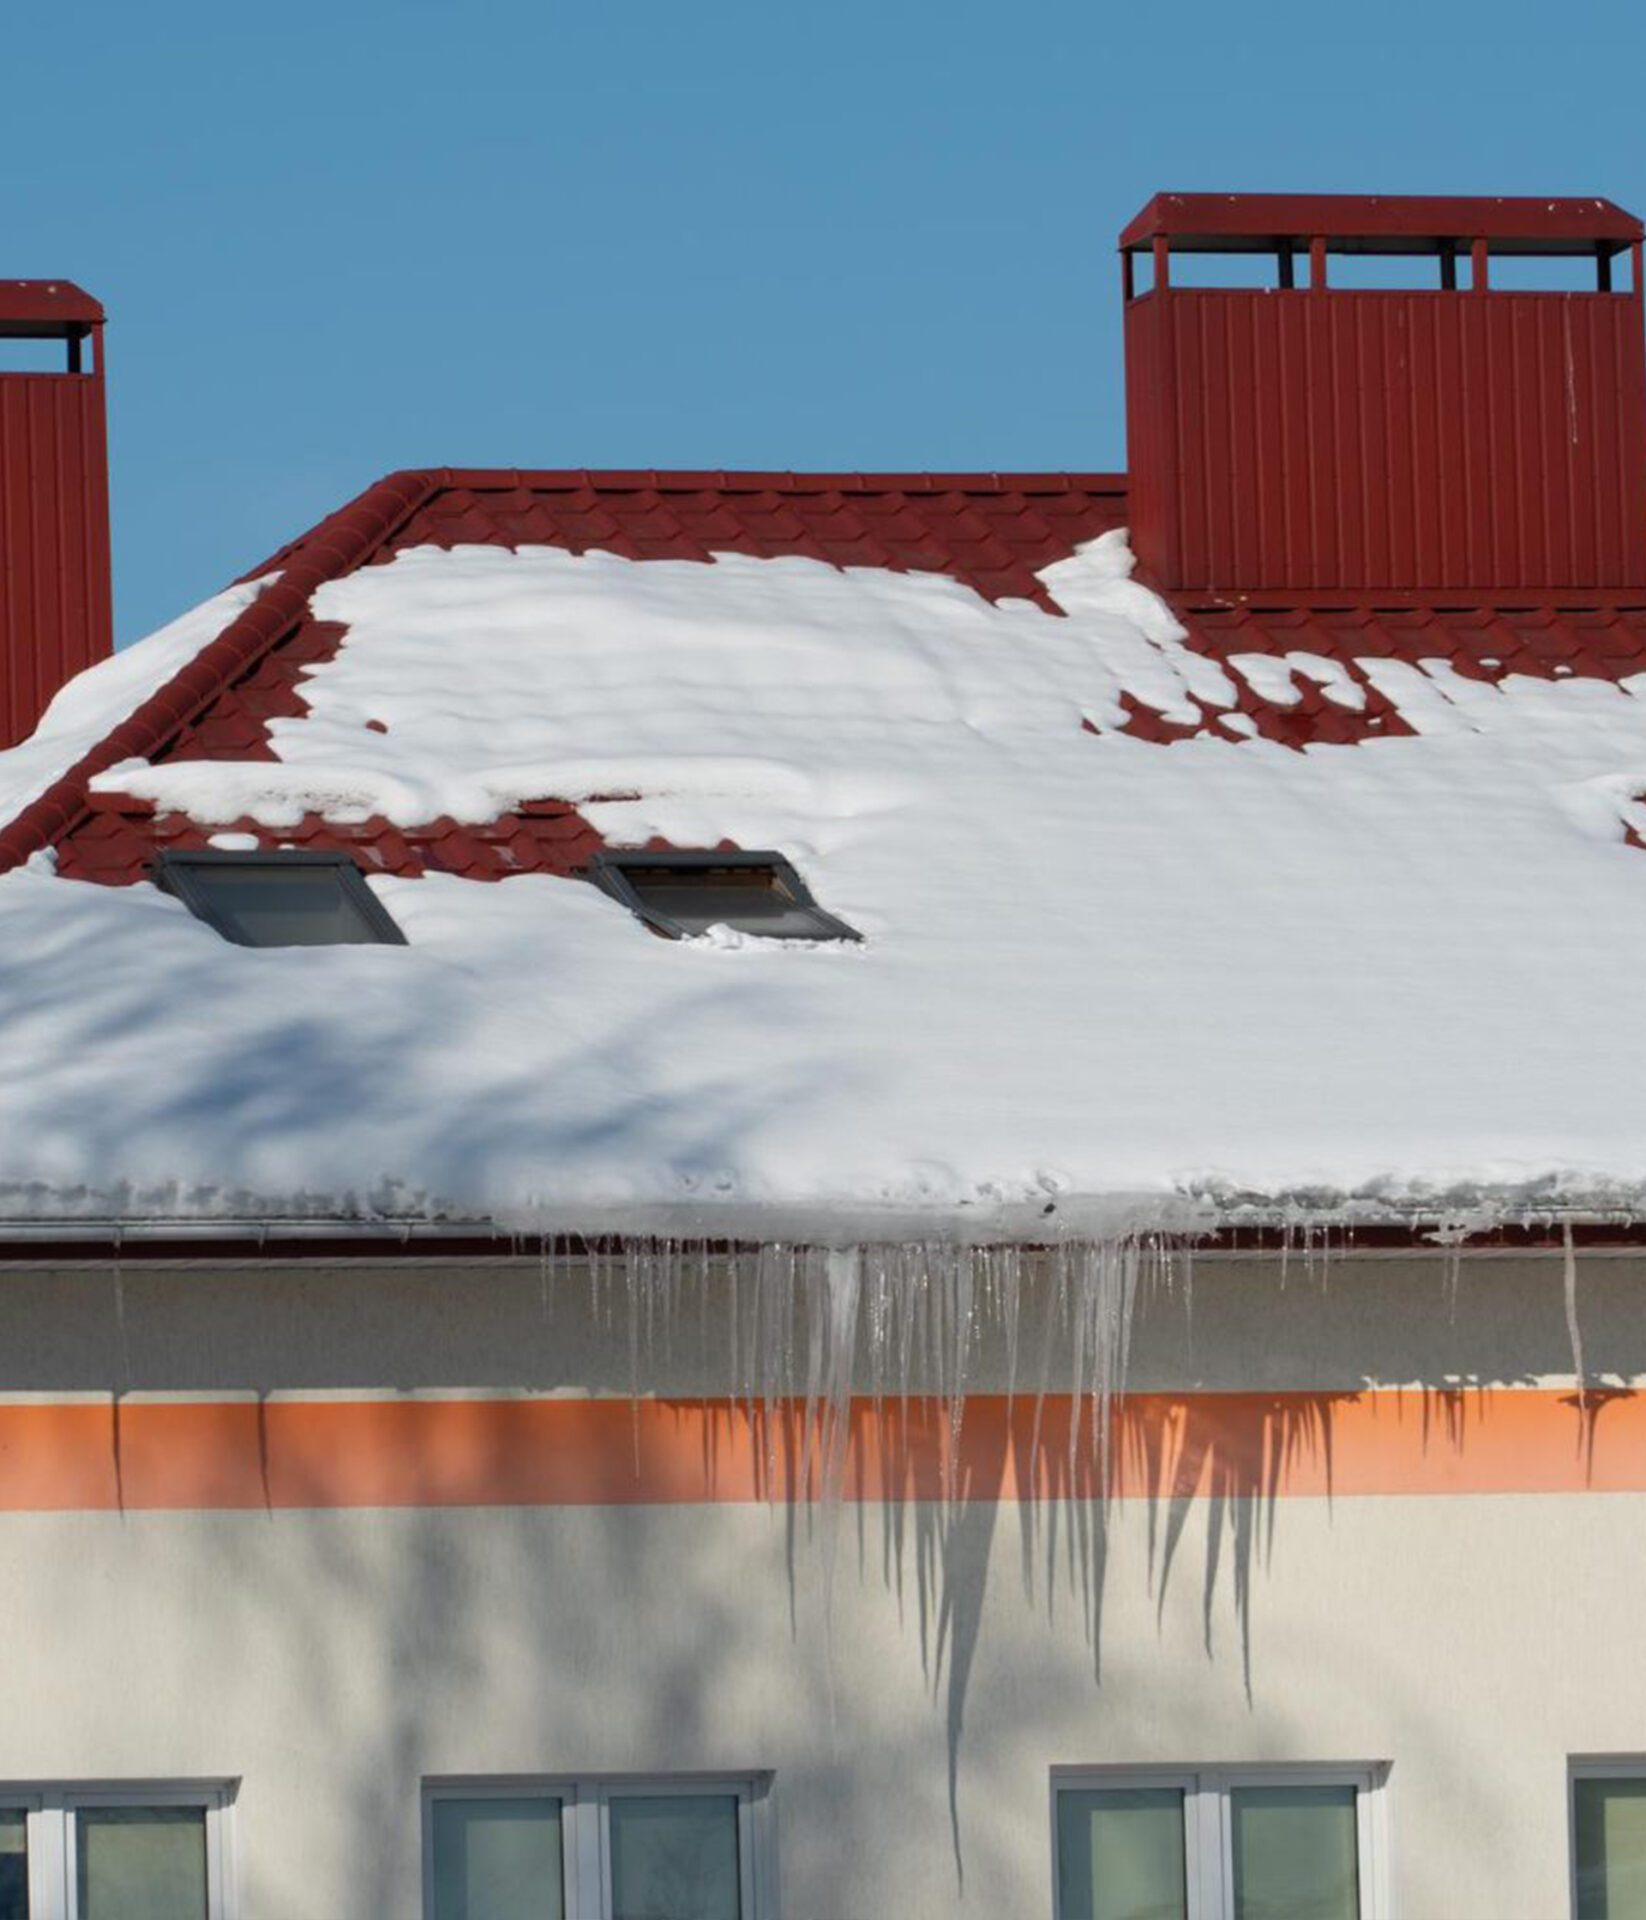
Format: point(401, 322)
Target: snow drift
point(1104, 984)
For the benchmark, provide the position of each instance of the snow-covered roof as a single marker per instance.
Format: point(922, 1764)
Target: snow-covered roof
point(1127, 954)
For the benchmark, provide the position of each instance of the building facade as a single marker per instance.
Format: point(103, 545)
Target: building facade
point(769, 1197)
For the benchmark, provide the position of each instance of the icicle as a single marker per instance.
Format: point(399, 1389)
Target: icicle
point(543, 1278)
point(907, 1304)
point(819, 1357)
point(631, 1279)
point(963, 1327)
point(734, 1270)
point(1074, 1287)
point(872, 1281)
point(704, 1273)
point(1009, 1308)
point(124, 1386)
point(1113, 1305)
point(843, 1290)
point(1055, 1305)
point(1573, 1331)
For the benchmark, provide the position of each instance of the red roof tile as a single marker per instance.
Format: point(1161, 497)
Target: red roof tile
point(994, 533)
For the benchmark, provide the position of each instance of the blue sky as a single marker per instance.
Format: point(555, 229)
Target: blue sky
point(340, 238)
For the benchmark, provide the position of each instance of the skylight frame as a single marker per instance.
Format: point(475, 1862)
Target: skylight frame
point(610, 871)
point(174, 871)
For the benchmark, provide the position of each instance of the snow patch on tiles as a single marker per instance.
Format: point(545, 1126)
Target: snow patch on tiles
point(496, 677)
point(1101, 979)
point(277, 794)
point(1274, 677)
point(96, 701)
point(1609, 804)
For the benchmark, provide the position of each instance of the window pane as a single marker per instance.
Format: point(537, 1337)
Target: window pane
point(497, 1860)
point(1120, 1855)
point(753, 901)
point(14, 1864)
point(674, 1857)
point(273, 906)
point(1610, 1823)
point(141, 1863)
point(1295, 1853)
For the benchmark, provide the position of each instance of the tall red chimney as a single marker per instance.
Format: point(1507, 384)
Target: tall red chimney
point(1307, 438)
point(55, 612)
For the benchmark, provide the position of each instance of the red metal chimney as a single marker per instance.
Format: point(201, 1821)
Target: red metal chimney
point(1319, 439)
point(55, 613)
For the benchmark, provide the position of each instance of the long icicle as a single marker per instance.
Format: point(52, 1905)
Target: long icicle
point(1573, 1331)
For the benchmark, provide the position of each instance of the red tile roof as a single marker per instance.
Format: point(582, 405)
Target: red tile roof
point(993, 532)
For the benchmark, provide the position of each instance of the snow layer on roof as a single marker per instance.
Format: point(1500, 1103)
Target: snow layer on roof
point(96, 701)
point(1096, 972)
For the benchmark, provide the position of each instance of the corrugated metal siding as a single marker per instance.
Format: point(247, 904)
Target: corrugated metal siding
point(1353, 440)
point(55, 616)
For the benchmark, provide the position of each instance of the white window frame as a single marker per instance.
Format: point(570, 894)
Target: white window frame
point(1208, 1823)
point(585, 1827)
point(53, 1809)
point(1599, 1766)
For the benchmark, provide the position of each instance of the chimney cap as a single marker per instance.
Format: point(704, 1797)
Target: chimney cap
point(46, 309)
point(1379, 223)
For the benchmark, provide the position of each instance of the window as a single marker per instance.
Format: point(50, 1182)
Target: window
point(680, 894)
point(120, 1853)
point(1608, 1813)
point(1261, 1843)
point(279, 899)
point(678, 1849)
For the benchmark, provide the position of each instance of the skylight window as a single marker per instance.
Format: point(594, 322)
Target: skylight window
point(681, 894)
point(279, 899)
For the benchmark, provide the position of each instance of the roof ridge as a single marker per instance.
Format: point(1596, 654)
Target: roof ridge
point(342, 541)
point(782, 480)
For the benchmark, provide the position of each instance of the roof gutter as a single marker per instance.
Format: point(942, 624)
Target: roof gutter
point(78, 1239)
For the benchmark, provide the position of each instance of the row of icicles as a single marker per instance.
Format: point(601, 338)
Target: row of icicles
point(805, 1333)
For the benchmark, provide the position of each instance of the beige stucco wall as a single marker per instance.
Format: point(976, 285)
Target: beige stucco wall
point(331, 1660)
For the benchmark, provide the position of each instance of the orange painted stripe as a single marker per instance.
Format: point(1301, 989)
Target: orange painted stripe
point(550, 1452)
